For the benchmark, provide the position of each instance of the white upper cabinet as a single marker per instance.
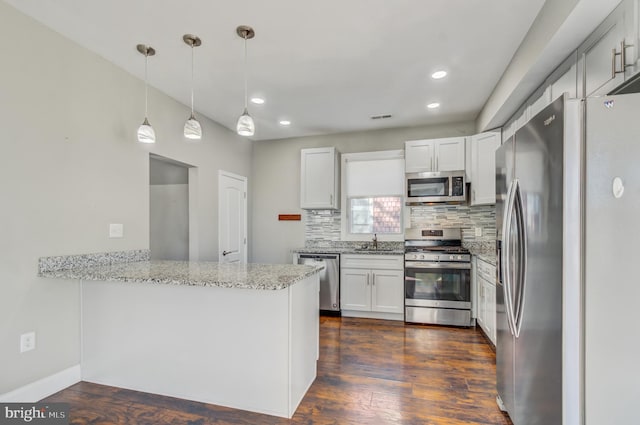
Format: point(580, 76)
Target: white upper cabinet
point(566, 83)
point(435, 155)
point(483, 167)
point(632, 26)
point(319, 178)
point(419, 156)
point(450, 154)
point(602, 54)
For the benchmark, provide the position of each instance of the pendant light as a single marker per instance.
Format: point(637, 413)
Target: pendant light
point(145, 131)
point(192, 128)
point(245, 126)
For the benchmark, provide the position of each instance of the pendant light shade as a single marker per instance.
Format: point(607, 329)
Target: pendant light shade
point(192, 128)
point(146, 134)
point(245, 126)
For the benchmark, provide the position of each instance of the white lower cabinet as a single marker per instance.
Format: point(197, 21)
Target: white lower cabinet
point(486, 298)
point(372, 286)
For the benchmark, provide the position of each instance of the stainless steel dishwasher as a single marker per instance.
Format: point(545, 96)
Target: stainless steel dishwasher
point(329, 279)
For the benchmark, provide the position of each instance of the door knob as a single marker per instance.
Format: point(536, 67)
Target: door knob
point(225, 253)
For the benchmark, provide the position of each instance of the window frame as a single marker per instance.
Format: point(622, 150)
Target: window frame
point(345, 227)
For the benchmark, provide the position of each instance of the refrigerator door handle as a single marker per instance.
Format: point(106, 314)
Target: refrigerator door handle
point(506, 253)
point(522, 269)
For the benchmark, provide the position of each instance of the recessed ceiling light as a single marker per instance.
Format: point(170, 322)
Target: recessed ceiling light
point(439, 74)
point(257, 100)
point(285, 122)
point(433, 105)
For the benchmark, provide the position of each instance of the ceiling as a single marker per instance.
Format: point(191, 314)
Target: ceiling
point(327, 66)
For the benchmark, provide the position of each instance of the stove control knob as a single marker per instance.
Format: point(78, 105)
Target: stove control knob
point(422, 256)
point(459, 257)
point(452, 257)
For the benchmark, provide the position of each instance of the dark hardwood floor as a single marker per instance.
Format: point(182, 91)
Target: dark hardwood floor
point(370, 372)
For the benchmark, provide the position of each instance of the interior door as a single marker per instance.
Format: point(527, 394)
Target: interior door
point(232, 218)
point(612, 346)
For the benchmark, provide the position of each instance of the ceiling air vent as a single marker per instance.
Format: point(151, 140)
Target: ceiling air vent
point(381, 117)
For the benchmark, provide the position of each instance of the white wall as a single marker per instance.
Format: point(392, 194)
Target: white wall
point(69, 166)
point(169, 222)
point(276, 165)
point(168, 210)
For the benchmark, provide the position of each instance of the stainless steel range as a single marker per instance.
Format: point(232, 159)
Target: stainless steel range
point(437, 277)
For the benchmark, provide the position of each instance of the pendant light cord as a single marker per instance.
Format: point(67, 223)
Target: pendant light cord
point(245, 71)
point(146, 84)
point(192, 80)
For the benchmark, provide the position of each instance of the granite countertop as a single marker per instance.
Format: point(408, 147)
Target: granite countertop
point(489, 257)
point(485, 250)
point(193, 273)
point(331, 250)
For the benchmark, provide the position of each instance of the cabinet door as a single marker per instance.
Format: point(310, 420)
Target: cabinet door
point(450, 154)
point(355, 290)
point(419, 156)
point(482, 307)
point(597, 57)
point(387, 291)
point(632, 30)
point(483, 168)
point(490, 312)
point(318, 178)
point(565, 84)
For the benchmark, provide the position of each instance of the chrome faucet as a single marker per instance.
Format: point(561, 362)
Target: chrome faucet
point(375, 241)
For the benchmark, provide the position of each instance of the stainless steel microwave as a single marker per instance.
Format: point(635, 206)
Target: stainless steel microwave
point(435, 187)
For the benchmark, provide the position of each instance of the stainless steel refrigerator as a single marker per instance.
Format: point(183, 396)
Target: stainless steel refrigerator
point(529, 294)
point(567, 210)
point(611, 283)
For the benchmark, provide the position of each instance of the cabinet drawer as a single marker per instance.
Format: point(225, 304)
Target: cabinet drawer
point(486, 270)
point(372, 261)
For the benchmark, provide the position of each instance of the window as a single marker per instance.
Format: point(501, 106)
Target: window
point(372, 194)
point(380, 215)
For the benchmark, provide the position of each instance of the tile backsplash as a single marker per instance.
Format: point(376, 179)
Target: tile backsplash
point(324, 225)
point(463, 216)
point(321, 225)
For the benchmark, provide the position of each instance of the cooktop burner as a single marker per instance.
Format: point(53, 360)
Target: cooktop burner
point(446, 249)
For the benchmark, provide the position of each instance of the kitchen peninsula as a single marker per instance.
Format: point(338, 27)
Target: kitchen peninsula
point(238, 335)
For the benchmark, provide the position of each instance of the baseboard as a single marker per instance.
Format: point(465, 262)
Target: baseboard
point(373, 315)
point(44, 387)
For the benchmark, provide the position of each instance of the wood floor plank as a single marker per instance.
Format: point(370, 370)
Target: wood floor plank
point(369, 372)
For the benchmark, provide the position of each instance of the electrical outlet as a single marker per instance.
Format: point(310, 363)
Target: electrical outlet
point(27, 342)
point(478, 231)
point(116, 230)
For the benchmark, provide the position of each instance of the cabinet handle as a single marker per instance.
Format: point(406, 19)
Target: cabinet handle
point(623, 59)
point(373, 279)
point(330, 199)
point(474, 194)
point(431, 164)
point(436, 164)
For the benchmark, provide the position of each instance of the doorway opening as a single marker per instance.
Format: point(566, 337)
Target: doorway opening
point(172, 221)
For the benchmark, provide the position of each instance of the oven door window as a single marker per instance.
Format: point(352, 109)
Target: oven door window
point(433, 186)
point(438, 284)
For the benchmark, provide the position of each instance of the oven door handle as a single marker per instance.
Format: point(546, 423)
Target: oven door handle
point(436, 265)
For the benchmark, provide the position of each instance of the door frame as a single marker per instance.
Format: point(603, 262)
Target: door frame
point(221, 174)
